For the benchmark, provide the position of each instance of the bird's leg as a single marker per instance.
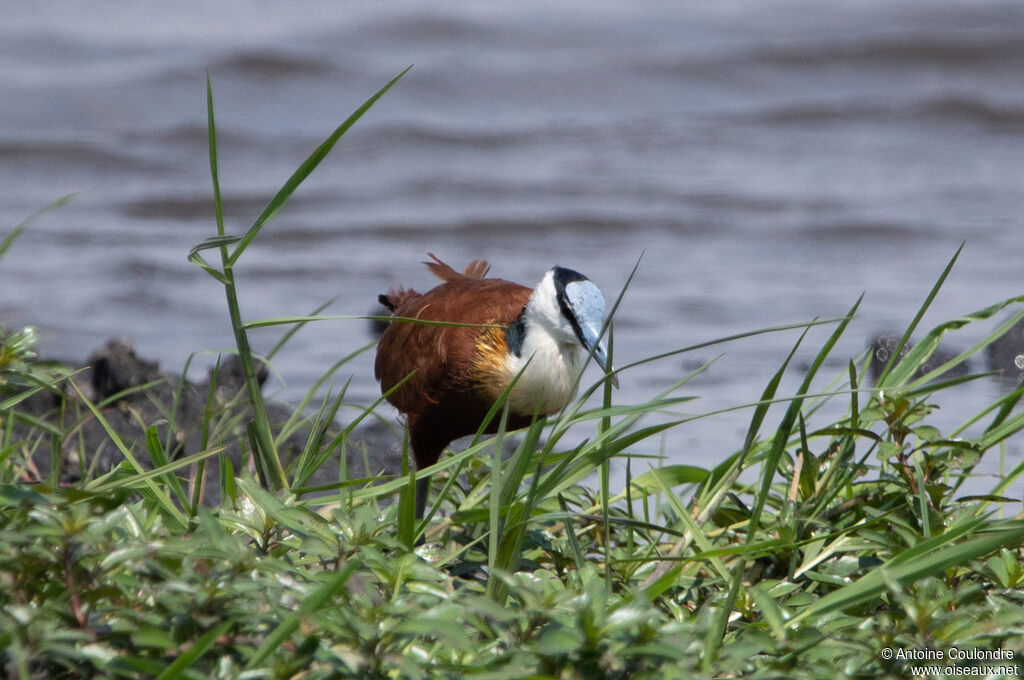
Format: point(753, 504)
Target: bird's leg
point(427, 446)
point(422, 489)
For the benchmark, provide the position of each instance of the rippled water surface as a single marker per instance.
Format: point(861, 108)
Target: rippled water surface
point(765, 162)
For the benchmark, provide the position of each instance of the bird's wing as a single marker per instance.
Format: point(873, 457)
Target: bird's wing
point(442, 356)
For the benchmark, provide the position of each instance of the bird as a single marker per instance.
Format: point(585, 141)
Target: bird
point(455, 373)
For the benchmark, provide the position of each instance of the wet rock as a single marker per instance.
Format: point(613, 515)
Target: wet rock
point(115, 368)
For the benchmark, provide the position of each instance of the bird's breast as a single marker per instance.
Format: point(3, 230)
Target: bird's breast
point(547, 372)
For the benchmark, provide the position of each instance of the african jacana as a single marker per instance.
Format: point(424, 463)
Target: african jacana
point(458, 372)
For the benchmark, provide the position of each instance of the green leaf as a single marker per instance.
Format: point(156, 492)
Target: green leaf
point(316, 600)
point(902, 571)
point(773, 615)
point(671, 476)
point(211, 243)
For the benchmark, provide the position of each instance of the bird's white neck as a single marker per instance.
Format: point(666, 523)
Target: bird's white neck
point(543, 347)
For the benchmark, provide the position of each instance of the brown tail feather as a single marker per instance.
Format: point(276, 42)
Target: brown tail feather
point(477, 269)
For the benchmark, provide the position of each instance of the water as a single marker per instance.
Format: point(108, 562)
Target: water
point(765, 162)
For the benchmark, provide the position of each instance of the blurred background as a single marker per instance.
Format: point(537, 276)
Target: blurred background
point(769, 162)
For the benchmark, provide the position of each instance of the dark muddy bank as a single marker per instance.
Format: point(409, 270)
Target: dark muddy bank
point(138, 400)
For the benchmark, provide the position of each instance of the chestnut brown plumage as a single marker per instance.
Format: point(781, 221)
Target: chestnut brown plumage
point(456, 373)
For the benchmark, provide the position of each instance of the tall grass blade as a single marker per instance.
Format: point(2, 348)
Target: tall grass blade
point(884, 380)
point(290, 333)
point(923, 350)
point(155, 493)
point(495, 585)
point(768, 471)
point(304, 170)
point(268, 463)
point(771, 463)
point(218, 206)
point(11, 237)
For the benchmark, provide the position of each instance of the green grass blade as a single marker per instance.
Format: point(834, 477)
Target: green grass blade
point(163, 502)
point(729, 338)
point(265, 454)
point(295, 329)
point(923, 350)
point(769, 470)
point(159, 457)
point(884, 379)
point(790, 418)
point(212, 243)
point(304, 170)
point(10, 238)
point(110, 481)
point(494, 516)
point(211, 133)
